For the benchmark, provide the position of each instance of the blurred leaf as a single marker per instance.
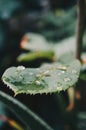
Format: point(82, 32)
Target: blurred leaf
point(29, 118)
point(46, 79)
point(35, 55)
point(64, 47)
point(83, 76)
point(34, 42)
point(81, 122)
point(68, 47)
point(66, 58)
point(82, 115)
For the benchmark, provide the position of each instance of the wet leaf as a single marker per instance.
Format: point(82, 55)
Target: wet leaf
point(48, 78)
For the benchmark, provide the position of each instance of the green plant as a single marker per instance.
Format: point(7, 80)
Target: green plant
point(49, 78)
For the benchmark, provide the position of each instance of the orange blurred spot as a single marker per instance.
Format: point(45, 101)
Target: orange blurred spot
point(11, 122)
point(15, 124)
point(78, 95)
point(70, 106)
point(3, 118)
point(23, 42)
point(83, 61)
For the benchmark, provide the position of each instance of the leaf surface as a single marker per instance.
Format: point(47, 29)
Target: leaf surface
point(48, 78)
point(31, 56)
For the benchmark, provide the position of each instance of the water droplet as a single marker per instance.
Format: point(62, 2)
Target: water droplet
point(37, 82)
point(63, 72)
point(59, 88)
point(19, 68)
point(74, 71)
point(62, 68)
point(66, 79)
point(46, 73)
point(38, 75)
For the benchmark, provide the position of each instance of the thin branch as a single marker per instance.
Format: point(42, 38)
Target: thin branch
point(80, 27)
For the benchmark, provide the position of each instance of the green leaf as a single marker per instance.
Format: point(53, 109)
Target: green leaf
point(66, 57)
point(35, 55)
point(83, 76)
point(28, 117)
point(35, 42)
point(46, 79)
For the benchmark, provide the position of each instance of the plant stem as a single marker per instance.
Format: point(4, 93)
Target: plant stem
point(29, 118)
point(80, 27)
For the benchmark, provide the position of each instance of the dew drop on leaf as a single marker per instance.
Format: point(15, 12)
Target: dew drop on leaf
point(66, 79)
point(46, 73)
point(37, 82)
point(59, 88)
point(38, 75)
point(20, 68)
point(63, 72)
point(64, 68)
point(45, 79)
